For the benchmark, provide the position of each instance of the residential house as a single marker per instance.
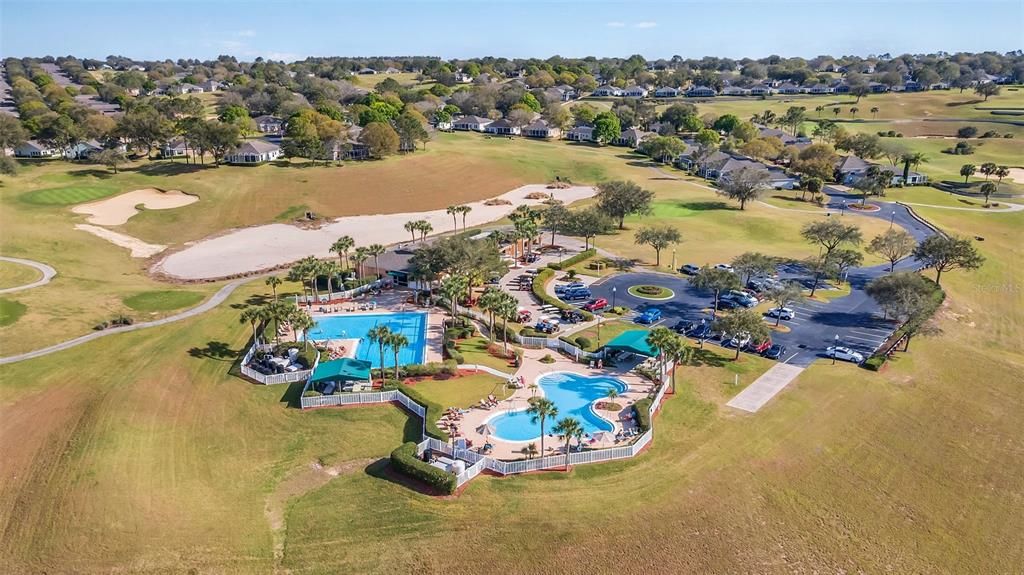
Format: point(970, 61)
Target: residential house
point(35, 149)
point(786, 138)
point(666, 92)
point(632, 137)
point(211, 86)
point(83, 150)
point(700, 92)
point(568, 93)
point(913, 86)
point(789, 89)
point(606, 91)
point(463, 78)
point(357, 150)
point(877, 87)
point(821, 89)
point(541, 129)
point(735, 91)
point(174, 149)
point(850, 168)
point(580, 134)
point(841, 88)
point(392, 70)
point(635, 92)
point(269, 124)
point(720, 166)
point(502, 127)
point(471, 123)
point(761, 90)
point(939, 86)
point(254, 152)
point(913, 178)
point(185, 88)
point(688, 158)
point(367, 72)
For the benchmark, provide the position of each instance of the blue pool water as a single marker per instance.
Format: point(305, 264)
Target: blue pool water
point(412, 325)
point(572, 393)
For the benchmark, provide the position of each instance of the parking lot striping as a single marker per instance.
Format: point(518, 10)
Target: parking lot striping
point(867, 339)
point(790, 357)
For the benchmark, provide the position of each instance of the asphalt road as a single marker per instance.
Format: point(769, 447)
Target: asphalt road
point(856, 319)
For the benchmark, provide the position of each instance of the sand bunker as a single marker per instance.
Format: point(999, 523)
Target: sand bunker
point(263, 247)
point(1017, 175)
point(139, 248)
point(119, 209)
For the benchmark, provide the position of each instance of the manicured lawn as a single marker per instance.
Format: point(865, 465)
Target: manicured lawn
point(474, 351)
point(463, 391)
point(13, 275)
point(10, 311)
point(69, 195)
point(166, 300)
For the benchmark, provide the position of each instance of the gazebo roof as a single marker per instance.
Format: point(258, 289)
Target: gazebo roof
point(633, 341)
point(344, 369)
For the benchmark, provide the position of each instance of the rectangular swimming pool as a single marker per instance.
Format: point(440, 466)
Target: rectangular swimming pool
point(413, 325)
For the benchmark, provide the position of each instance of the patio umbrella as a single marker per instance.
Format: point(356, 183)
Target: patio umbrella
point(602, 436)
point(485, 430)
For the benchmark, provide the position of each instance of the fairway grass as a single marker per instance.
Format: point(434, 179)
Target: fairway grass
point(68, 195)
point(165, 300)
point(10, 311)
point(14, 275)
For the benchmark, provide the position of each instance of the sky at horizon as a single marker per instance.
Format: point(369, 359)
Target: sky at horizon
point(283, 30)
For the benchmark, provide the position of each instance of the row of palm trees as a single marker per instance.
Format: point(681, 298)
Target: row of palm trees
point(277, 312)
point(309, 270)
point(455, 211)
point(422, 227)
point(541, 410)
point(384, 337)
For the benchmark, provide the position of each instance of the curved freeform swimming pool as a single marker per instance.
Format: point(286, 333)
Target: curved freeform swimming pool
point(572, 393)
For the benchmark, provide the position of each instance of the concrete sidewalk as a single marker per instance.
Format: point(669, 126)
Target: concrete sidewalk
point(764, 389)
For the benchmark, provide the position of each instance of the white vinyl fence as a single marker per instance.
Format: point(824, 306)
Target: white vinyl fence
point(478, 463)
point(275, 378)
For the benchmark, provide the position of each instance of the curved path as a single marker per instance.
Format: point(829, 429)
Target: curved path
point(47, 271)
point(217, 299)
point(1009, 207)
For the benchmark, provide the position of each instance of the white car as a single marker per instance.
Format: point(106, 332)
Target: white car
point(725, 267)
point(782, 312)
point(844, 353)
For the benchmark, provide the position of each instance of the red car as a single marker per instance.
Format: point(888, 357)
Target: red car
point(596, 304)
point(759, 347)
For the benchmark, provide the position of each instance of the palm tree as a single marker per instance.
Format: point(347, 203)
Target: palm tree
point(464, 209)
point(853, 111)
point(451, 288)
point(675, 350)
point(424, 228)
point(376, 250)
point(568, 428)
point(489, 303)
point(530, 451)
point(967, 170)
point(912, 159)
point(412, 227)
point(252, 316)
point(659, 338)
point(819, 109)
point(341, 246)
point(987, 189)
point(273, 282)
point(358, 258)
point(541, 408)
point(380, 334)
point(874, 111)
point(302, 321)
point(506, 308)
point(331, 270)
point(453, 211)
point(396, 342)
point(612, 394)
point(1001, 172)
point(836, 110)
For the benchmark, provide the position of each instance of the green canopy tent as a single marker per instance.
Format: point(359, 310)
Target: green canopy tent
point(337, 372)
point(633, 341)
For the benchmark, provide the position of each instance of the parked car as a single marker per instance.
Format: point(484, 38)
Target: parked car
point(781, 312)
point(546, 325)
point(725, 267)
point(844, 353)
point(701, 331)
point(523, 315)
point(739, 340)
point(725, 304)
point(559, 288)
point(775, 351)
point(690, 269)
point(494, 280)
point(572, 315)
point(649, 316)
point(759, 347)
point(742, 298)
point(529, 258)
point(596, 304)
point(576, 294)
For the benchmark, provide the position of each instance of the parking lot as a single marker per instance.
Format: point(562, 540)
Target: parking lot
point(855, 318)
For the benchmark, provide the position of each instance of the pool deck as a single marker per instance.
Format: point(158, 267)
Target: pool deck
point(532, 369)
point(391, 301)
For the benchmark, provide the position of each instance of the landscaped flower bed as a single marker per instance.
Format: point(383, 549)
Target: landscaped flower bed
point(650, 292)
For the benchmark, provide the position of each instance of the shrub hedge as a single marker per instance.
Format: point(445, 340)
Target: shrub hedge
point(583, 342)
point(642, 413)
point(542, 280)
point(404, 461)
point(585, 254)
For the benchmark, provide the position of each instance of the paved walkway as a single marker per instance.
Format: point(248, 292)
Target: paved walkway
point(47, 271)
point(765, 387)
point(1009, 207)
point(217, 299)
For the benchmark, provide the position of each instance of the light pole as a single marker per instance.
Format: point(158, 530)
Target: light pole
point(834, 350)
point(892, 217)
point(673, 258)
point(598, 332)
point(614, 289)
point(843, 212)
